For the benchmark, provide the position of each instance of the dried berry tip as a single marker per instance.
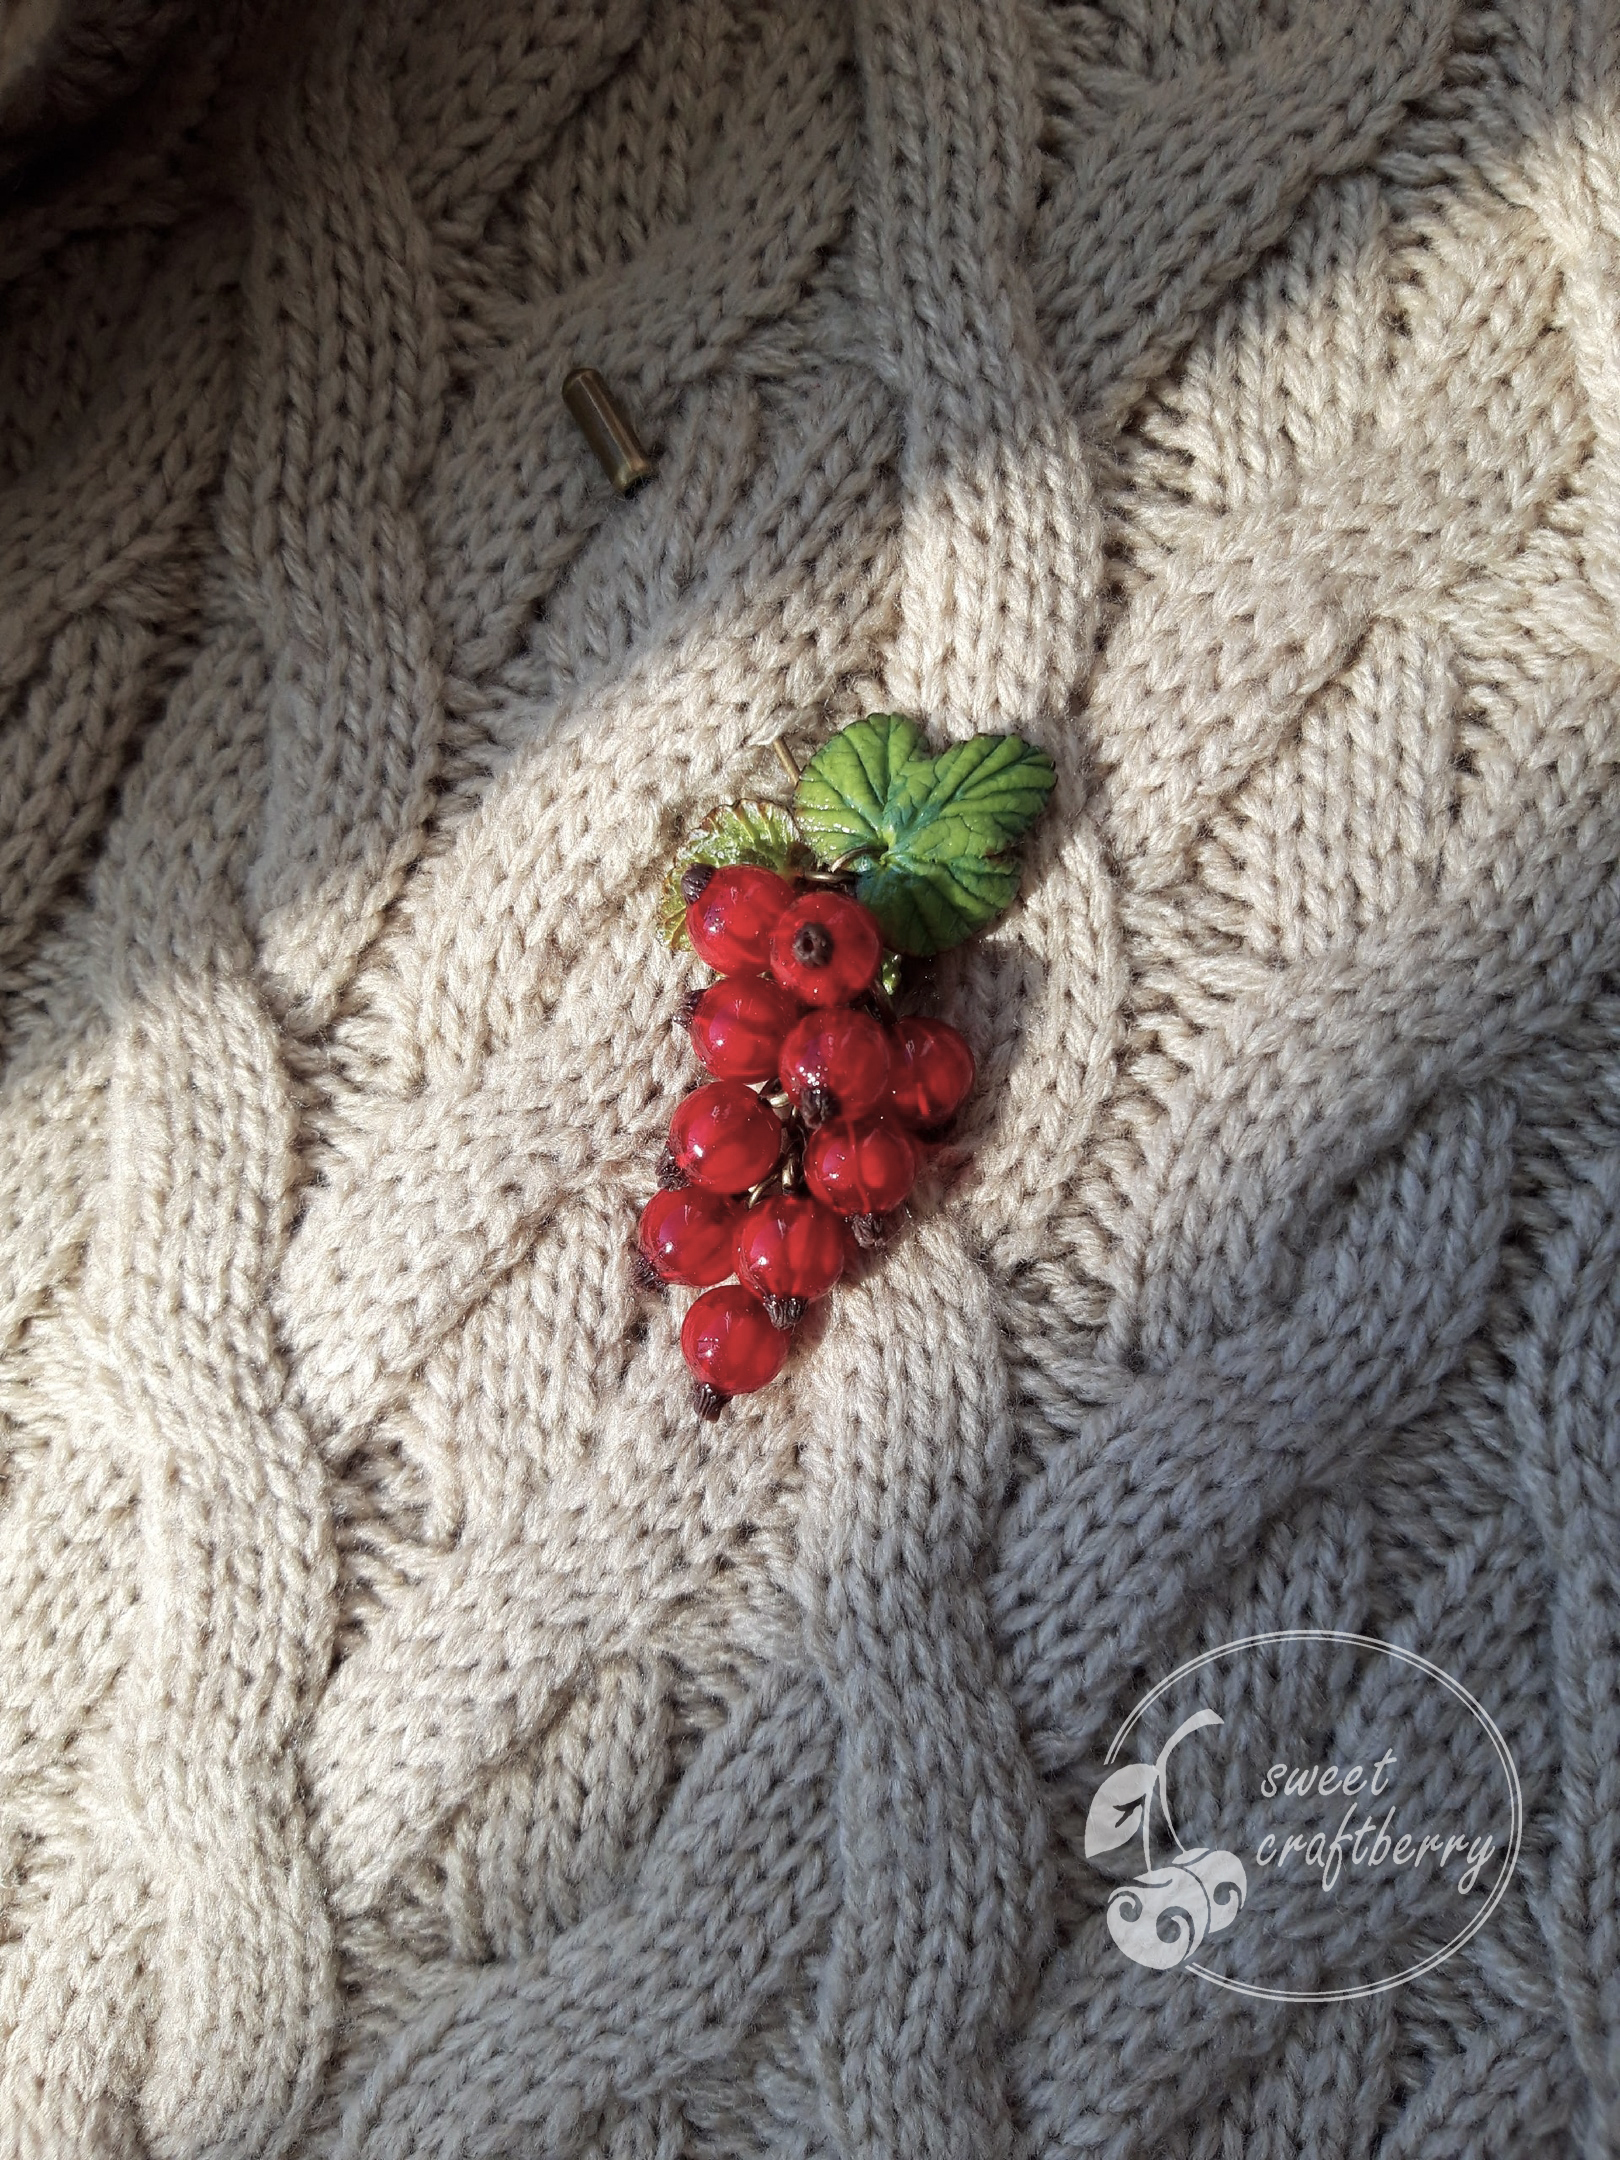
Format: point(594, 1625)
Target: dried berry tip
point(817, 1105)
point(878, 1002)
point(869, 1231)
point(687, 1007)
point(695, 881)
point(812, 945)
point(708, 1401)
point(785, 1312)
point(671, 1177)
point(644, 1275)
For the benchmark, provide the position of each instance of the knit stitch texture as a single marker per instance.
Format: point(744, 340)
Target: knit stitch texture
point(418, 1734)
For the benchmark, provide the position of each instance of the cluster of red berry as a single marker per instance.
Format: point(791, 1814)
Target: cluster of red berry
point(810, 1131)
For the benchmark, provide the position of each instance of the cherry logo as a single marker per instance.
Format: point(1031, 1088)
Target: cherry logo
point(1160, 1919)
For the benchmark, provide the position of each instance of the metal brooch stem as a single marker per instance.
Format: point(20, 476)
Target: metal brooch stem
point(619, 449)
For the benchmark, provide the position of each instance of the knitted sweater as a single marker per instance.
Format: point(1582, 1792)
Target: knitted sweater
point(419, 1734)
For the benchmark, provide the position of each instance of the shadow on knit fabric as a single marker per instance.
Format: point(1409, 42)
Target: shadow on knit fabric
point(419, 1735)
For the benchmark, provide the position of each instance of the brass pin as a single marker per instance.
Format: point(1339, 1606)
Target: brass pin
point(618, 447)
point(786, 759)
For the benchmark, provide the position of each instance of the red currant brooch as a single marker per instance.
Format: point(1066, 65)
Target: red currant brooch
point(825, 1092)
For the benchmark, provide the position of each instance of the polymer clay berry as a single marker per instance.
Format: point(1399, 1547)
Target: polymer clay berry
point(792, 1159)
point(731, 1347)
point(789, 1249)
point(731, 913)
point(861, 1170)
point(932, 1072)
point(738, 1026)
point(825, 948)
point(688, 1237)
point(724, 1137)
point(835, 1064)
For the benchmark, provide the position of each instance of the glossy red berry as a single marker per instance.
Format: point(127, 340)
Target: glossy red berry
point(737, 1026)
point(789, 1249)
point(730, 1345)
point(933, 1072)
point(724, 1137)
point(835, 1064)
point(688, 1237)
point(863, 1169)
point(825, 948)
point(731, 913)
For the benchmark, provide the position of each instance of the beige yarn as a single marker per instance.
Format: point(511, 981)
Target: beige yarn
point(418, 1735)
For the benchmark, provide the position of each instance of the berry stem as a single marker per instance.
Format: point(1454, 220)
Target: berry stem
point(785, 759)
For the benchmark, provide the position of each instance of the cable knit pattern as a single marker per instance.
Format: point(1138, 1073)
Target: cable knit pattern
point(419, 1735)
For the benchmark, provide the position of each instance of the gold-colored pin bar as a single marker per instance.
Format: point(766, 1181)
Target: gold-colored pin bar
point(619, 450)
point(785, 758)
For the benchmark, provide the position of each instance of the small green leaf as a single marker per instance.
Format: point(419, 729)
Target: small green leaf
point(891, 973)
point(928, 909)
point(848, 793)
point(741, 832)
point(927, 834)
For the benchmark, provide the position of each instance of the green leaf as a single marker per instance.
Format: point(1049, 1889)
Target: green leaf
point(741, 832)
point(927, 834)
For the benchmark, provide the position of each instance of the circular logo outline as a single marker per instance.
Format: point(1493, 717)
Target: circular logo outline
point(1455, 1687)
